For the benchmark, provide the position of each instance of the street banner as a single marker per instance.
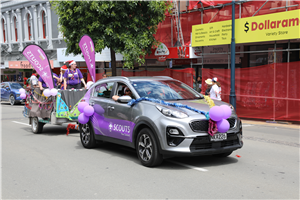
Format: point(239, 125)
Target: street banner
point(40, 62)
point(87, 47)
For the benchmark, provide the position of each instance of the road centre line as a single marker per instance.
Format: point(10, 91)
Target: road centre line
point(21, 123)
point(189, 166)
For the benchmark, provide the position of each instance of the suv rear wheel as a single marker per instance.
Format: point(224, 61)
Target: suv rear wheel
point(147, 149)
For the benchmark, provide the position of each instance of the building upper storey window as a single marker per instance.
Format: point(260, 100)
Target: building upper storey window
point(15, 29)
point(44, 24)
point(28, 26)
point(3, 29)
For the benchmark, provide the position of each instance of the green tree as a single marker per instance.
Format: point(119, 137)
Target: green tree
point(126, 27)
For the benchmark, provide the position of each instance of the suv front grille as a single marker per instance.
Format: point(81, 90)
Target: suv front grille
point(203, 142)
point(202, 125)
point(199, 125)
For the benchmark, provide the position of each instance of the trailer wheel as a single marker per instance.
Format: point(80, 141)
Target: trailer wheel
point(36, 126)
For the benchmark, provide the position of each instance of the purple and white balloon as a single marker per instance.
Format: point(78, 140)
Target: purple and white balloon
point(83, 119)
point(216, 113)
point(53, 92)
point(88, 111)
point(226, 110)
point(81, 106)
point(21, 90)
point(47, 93)
point(23, 96)
point(223, 126)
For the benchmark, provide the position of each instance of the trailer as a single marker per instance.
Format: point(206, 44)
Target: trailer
point(56, 110)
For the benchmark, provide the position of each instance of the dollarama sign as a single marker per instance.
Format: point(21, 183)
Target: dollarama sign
point(277, 26)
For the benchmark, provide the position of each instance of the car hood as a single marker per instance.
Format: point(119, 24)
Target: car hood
point(16, 91)
point(199, 104)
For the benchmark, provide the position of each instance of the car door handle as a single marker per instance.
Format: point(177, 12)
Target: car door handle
point(111, 107)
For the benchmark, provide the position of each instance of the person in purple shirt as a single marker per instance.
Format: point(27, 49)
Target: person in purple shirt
point(42, 83)
point(73, 76)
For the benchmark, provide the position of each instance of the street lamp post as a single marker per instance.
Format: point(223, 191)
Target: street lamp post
point(232, 60)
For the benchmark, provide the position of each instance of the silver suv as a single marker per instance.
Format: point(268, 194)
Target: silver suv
point(151, 120)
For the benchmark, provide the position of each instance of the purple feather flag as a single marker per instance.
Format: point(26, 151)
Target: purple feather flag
point(87, 47)
point(40, 62)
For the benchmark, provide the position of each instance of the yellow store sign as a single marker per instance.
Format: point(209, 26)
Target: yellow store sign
point(271, 27)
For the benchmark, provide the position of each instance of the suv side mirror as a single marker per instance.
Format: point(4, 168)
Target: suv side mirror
point(7, 88)
point(124, 99)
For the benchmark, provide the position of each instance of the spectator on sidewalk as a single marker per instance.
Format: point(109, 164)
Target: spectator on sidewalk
point(215, 92)
point(208, 83)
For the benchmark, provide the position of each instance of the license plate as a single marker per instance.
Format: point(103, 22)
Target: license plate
point(218, 137)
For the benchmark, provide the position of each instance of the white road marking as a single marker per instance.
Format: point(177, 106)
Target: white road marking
point(21, 123)
point(190, 166)
point(246, 125)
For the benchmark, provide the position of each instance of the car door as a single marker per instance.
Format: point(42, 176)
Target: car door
point(119, 116)
point(1, 91)
point(100, 96)
point(5, 91)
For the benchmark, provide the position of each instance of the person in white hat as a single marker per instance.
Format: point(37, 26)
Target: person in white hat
point(215, 92)
point(208, 86)
point(73, 76)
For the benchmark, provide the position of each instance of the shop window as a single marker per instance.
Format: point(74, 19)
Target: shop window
point(15, 29)
point(3, 28)
point(44, 24)
point(29, 27)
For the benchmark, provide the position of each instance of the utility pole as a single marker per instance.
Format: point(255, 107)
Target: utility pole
point(232, 60)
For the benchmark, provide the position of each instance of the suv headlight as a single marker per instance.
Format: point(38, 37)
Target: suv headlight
point(17, 95)
point(232, 108)
point(171, 113)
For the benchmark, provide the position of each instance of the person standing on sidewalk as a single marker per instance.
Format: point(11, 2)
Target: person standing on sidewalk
point(73, 76)
point(208, 86)
point(215, 92)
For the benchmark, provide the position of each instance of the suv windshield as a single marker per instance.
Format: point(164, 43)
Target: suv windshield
point(15, 86)
point(165, 90)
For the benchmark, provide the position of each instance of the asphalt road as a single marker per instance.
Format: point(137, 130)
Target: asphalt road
point(53, 165)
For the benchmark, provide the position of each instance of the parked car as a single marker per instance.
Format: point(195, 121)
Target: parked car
point(10, 92)
point(155, 129)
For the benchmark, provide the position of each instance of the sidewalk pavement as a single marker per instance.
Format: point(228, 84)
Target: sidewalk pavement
point(272, 123)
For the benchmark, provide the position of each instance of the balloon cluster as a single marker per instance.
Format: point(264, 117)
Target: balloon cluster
point(48, 92)
point(22, 93)
point(86, 111)
point(219, 114)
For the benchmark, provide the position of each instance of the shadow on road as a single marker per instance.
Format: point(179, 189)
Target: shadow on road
point(168, 164)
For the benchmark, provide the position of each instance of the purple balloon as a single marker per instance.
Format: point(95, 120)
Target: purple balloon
point(216, 113)
point(82, 119)
point(81, 106)
point(227, 111)
point(88, 111)
point(223, 126)
point(98, 109)
point(23, 96)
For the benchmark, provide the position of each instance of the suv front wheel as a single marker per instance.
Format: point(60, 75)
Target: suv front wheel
point(87, 135)
point(147, 149)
